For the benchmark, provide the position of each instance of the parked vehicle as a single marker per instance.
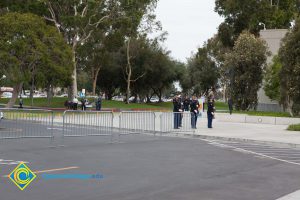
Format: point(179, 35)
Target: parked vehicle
point(6, 95)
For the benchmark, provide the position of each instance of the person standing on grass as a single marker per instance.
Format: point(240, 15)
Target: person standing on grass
point(83, 104)
point(210, 112)
point(230, 105)
point(99, 103)
point(194, 111)
point(21, 102)
point(75, 103)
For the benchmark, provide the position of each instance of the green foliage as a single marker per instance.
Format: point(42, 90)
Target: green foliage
point(96, 24)
point(272, 79)
point(58, 102)
point(243, 15)
point(160, 71)
point(29, 47)
point(294, 127)
point(203, 72)
point(246, 64)
point(290, 73)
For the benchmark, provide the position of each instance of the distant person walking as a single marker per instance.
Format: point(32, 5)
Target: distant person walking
point(194, 111)
point(83, 104)
point(230, 105)
point(210, 112)
point(99, 103)
point(75, 103)
point(21, 102)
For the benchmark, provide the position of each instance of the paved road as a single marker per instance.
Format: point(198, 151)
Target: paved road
point(147, 168)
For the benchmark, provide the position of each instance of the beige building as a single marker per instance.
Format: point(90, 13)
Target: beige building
point(273, 38)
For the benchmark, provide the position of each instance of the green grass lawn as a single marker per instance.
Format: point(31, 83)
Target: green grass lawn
point(294, 127)
point(58, 102)
point(223, 107)
point(266, 114)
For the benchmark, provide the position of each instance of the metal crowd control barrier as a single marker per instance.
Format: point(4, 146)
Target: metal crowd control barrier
point(87, 123)
point(177, 122)
point(136, 123)
point(26, 123)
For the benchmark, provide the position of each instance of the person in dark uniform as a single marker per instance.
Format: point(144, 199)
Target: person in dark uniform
point(186, 104)
point(180, 100)
point(176, 110)
point(194, 111)
point(210, 112)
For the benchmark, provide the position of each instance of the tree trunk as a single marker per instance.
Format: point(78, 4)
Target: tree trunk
point(49, 94)
point(290, 104)
point(32, 91)
point(109, 96)
point(95, 78)
point(148, 98)
point(160, 95)
point(129, 72)
point(74, 90)
point(12, 101)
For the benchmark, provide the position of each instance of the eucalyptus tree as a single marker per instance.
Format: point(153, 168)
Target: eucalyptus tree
point(31, 48)
point(77, 20)
point(247, 63)
point(253, 15)
point(290, 70)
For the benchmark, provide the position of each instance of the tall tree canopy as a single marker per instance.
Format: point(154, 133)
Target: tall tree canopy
point(290, 71)
point(243, 15)
point(246, 65)
point(272, 79)
point(31, 48)
point(77, 20)
point(203, 71)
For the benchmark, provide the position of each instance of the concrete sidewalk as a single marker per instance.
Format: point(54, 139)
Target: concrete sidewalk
point(265, 133)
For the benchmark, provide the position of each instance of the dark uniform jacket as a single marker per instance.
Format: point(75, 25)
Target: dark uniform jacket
point(194, 106)
point(186, 104)
point(210, 108)
point(176, 105)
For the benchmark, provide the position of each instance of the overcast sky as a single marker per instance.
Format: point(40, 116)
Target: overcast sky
point(189, 24)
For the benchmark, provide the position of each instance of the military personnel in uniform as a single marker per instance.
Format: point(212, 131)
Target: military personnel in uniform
point(194, 111)
point(210, 112)
point(176, 110)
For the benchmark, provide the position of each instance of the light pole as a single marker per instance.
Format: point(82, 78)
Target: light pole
point(260, 23)
point(3, 77)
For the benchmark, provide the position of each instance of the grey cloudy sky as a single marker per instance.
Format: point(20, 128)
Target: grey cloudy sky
point(189, 24)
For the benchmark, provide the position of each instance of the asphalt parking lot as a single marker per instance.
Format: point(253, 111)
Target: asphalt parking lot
point(143, 167)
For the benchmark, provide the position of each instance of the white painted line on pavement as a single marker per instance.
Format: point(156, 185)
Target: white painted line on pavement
point(292, 196)
point(50, 170)
point(252, 152)
point(55, 170)
point(58, 129)
point(10, 162)
point(278, 152)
